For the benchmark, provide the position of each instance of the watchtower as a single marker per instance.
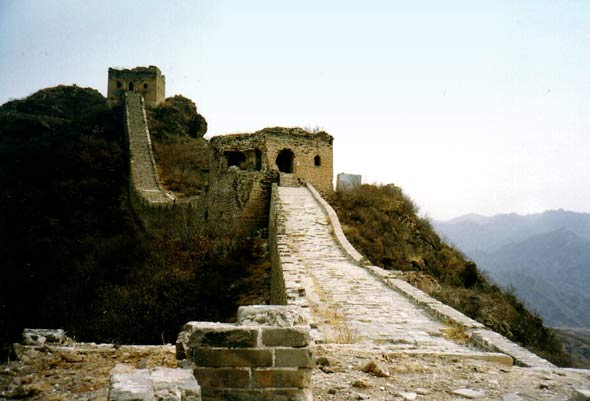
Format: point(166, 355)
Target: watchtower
point(148, 81)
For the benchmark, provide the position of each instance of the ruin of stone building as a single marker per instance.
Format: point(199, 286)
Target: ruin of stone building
point(147, 81)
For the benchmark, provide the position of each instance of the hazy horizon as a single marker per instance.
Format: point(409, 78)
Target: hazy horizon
point(470, 108)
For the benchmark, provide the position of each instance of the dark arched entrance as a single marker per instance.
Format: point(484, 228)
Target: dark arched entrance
point(130, 86)
point(285, 161)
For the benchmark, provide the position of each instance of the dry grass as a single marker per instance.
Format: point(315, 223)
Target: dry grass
point(183, 164)
point(456, 334)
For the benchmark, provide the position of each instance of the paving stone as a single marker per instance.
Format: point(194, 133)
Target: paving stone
point(468, 393)
point(370, 310)
point(581, 395)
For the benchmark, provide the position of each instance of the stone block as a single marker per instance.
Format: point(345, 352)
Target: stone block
point(270, 315)
point(285, 337)
point(258, 395)
point(224, 357)
point(580, 395)
point(293, 358)
point(223, 377)
point(134, 386)
point(42, 336)
point(222, 335)
point(281, 377)
point(159, 384)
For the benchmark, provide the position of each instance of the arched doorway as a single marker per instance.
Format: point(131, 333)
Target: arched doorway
point(285, 161)
point(130, 86)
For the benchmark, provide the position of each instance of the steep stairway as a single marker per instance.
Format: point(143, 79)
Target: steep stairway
point(143, 170)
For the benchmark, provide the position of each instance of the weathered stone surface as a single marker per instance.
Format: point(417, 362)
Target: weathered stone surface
point(408, 396)
point(271, 315)
point(222, 335)
point(42, 336)
point(232, 357)
point(285, 337)
point(297, 378)
point(223, 377)
point(375, 368)
point(512, 397)
point(292, 358)
point(468, 393)
point(159, 384)
point(259, 395)
point(581, 395)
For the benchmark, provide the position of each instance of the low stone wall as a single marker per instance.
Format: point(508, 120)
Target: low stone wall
point(341, 239)
point(263, 357)
point(278, 294)
point(479, 334)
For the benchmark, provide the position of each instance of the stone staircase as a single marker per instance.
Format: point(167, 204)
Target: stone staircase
point(143, 171)
point(289, 180)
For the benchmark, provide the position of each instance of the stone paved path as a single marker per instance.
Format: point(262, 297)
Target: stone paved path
point(350, 305)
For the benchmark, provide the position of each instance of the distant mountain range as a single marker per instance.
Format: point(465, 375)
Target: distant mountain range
point(545, 257)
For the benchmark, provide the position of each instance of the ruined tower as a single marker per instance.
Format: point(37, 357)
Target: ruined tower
point(148, 81)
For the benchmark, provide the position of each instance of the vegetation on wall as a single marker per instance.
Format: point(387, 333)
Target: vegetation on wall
point(73, 255)
point(177, 116)
point(182, 154)
point(382, 223)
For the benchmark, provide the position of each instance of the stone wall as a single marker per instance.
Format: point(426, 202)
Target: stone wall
point(310, 154)
point(235, 203)
point(265, 356)
point(158, 210)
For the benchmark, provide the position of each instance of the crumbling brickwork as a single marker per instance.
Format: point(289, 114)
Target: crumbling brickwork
point(293, 151)
point(265, 356)
point(241, 168)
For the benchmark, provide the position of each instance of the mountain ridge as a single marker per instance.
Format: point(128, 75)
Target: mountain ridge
point(544, 257)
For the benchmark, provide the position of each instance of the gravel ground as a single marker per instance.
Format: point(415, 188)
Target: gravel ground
point(81, 372)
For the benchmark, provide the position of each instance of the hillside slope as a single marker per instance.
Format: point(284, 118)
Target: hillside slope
point(382, 223)
point(73, 255)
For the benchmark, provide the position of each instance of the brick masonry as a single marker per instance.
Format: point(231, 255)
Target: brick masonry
point(250, 361)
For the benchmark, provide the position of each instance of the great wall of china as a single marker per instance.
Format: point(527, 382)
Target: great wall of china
point(330, 295)
point(337, 329)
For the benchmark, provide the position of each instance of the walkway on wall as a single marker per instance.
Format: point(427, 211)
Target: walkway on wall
point(348, 303)
point(143, 172)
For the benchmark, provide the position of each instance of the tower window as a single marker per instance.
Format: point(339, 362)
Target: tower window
point(235, 158)
point(131, 86)
point(119, 84)
point(317, 161)
point(144, 86)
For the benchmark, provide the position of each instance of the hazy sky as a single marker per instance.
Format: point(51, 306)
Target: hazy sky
point(469, 106)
